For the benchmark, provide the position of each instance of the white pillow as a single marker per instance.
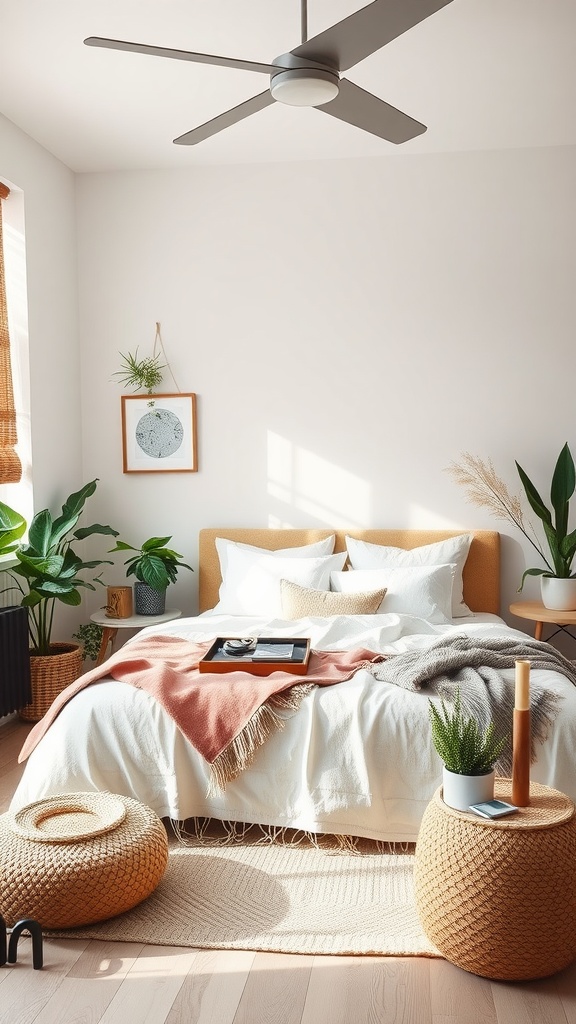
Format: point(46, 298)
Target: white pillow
point(316, 550)
point(424, 591)
point(252, 584)
point(363, 555)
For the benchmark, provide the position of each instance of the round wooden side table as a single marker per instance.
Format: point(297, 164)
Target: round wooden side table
point(539, 614)
point(111, 626)
point(497, 897)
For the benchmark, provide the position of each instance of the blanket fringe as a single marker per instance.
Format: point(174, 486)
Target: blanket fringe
point(268, 718)
point(214, 832)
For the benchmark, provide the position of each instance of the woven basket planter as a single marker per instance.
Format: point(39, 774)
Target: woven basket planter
point(80, 858)
point(50, 674)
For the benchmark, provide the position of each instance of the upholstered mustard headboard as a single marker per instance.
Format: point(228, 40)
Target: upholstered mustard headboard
point(481, 572)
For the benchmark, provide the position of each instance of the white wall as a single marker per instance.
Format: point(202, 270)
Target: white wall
point(49, 215)
point(349, 328)
point(50, 239)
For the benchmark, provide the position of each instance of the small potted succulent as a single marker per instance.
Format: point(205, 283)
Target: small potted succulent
point(468, 754)
point(155, 567)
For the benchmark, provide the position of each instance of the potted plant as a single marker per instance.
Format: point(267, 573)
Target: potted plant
point(468, 754)
point(49, 570)
point(155, 566)
point(486, 489)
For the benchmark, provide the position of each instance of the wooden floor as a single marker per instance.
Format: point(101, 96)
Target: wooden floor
point(87, 982)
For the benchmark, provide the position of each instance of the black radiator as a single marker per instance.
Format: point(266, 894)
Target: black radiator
point(15, 688)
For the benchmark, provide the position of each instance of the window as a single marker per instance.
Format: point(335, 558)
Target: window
point(15, 440)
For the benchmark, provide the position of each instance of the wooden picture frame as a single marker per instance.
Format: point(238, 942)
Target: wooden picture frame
point(159, 433)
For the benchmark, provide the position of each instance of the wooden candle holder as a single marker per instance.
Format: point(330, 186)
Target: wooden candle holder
point(118, 602)
point(521, 758)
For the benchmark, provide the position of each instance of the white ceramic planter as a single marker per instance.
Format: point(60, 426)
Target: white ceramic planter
point(459, 791)
point(557, 594)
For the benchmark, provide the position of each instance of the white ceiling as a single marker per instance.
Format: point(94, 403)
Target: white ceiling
point(481, 74)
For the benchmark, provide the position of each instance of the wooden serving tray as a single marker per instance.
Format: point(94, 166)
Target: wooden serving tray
point(215, 660)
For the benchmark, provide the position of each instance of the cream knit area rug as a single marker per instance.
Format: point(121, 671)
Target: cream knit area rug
point(287, 899)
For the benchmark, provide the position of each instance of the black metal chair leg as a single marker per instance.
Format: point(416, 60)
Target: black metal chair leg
point(27, 924)
point(3, 950)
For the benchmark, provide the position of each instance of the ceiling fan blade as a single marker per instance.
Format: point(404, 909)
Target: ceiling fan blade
point(196, 58)
point(367, 30)
point(230, 117)
point(366, 111)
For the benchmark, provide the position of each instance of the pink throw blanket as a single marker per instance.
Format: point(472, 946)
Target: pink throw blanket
point(224, 716)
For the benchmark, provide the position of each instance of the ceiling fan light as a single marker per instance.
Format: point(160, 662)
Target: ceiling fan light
point(304, 88)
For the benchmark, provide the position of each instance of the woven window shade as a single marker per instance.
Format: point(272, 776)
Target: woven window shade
point(10, 466)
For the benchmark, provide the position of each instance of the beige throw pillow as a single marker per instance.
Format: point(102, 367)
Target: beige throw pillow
point(299, 602)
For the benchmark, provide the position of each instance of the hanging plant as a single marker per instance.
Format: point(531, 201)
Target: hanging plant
point(140, 374)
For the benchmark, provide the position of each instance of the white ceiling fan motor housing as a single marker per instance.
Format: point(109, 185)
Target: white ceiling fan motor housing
point(305, 87)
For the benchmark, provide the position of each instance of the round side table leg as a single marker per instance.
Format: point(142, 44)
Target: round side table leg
point(108, 637)
point(538, 630)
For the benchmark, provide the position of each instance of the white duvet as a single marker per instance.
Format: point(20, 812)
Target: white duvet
point(356, 759)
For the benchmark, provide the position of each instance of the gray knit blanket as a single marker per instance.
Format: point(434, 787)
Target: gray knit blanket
point(474, 665)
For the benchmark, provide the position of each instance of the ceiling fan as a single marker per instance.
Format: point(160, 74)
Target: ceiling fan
point(309, 75)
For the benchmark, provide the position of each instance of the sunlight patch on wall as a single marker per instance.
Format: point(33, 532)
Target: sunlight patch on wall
point(301, 481)
point(421, 517)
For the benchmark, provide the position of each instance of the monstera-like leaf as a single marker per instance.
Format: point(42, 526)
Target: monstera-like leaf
point(12, 527)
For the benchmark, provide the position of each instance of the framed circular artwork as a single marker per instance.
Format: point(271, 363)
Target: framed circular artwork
point(159, 433)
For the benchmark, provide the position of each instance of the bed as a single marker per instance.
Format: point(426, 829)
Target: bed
point(356, 759)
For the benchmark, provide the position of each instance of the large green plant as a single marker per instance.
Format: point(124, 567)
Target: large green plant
point(486, 489)
point(49, 569)
point(458, 739)
point(154, 563)
point(561, 543)
point(12, 527)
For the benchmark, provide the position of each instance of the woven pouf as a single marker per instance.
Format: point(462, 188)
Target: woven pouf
point(76, 859)
point(498, 897)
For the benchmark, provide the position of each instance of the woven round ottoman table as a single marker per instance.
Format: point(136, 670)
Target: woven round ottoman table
point(73, 860)
point(497, 897)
